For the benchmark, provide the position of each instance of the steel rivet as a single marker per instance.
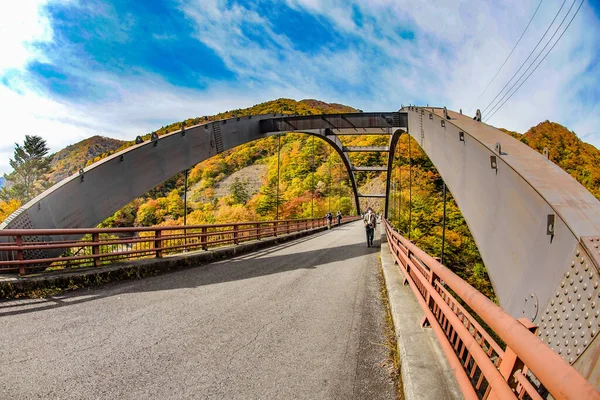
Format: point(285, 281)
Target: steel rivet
point(579, 326)
point(572, 307)
point(587, 315)
point(590, 324)
point(570, 359)
point(559, 351)
point(571, 282)
point(544, 324)
point(593, 333)
point(566, 342)
point(572, 264)
point(558, 317)
point(560, 301)
point(564, 308)
point(595, 284)
point(578, 297)
point(585, 342)
point(568, 351)
point(555, 310)
point(566, 316)
point(575, 289)
point(549, 340)
point(569, 299)
point(560, 325)
point(582, 306)
point(576, 271)
point(581, 279)
point(578, 351)
point(584, 287)
point(576, 317)
point(566, 291)
point(589, 296)
point(549, 317)
point(568, 274)
point(551, 302)
point(576, 343)
point(587, 267)
point(582, 260)
point(572, 334)
point(562, 284)
point(547, 333)
point(542, 319)
point(577, 253)
point(593, 305)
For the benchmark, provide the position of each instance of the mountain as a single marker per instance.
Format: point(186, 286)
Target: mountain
point(581, 160)
point(73, 157)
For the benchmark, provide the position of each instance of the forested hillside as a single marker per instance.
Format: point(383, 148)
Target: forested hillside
point(70, 159)
point(241, 184)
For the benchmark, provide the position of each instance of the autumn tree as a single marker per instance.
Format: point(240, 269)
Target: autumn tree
point(238, 191)
point(30, 167)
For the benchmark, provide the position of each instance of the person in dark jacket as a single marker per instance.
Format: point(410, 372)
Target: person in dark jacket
point(370, 221)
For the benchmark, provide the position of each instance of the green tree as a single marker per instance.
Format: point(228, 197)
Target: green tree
point(30, 167)
point(238, 191)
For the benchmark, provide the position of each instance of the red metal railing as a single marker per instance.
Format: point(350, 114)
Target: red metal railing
point(482, 367)
point(28, 250)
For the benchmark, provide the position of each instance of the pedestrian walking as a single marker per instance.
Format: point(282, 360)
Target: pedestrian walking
point(370, 221)
point(329, 219)
point(339, 218)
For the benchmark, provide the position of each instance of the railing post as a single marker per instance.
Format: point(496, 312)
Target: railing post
point(235, 234)
point(275, 223)
point(158, 243)
point(204, 239)
point(96, 249)
point(287, 223)
point(510, 362)
point(19, 240)
point(258, 231)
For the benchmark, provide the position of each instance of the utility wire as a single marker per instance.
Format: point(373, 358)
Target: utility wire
point(536, 67)
point(528, 57)
point(492, 110)
point(510, 54)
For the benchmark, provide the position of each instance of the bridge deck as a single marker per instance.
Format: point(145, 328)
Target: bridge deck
point(301, 320)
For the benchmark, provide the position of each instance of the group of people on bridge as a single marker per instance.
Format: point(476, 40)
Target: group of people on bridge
point(329, 218)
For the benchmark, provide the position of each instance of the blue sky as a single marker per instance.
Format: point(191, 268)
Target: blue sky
point(72, 69)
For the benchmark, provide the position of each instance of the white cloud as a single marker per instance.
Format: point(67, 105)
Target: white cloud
point(21, 23)
point(457, 47)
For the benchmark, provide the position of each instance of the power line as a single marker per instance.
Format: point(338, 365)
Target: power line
point(492, 110)
point(511, 52)
point(528, 57)
point(536, 67)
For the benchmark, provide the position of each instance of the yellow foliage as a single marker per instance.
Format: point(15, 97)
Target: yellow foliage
point(8, 207)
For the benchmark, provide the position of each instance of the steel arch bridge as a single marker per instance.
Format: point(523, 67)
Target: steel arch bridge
point(537, 228)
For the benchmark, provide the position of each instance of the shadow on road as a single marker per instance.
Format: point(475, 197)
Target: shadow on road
point(261, 263)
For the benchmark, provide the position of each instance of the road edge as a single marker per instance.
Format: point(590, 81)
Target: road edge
point(424, 370)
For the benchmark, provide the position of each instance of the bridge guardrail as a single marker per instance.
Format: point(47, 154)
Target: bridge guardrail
point(525, 368)
point(83, 247)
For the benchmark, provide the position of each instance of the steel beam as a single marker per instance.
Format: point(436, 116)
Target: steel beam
point(366, 149)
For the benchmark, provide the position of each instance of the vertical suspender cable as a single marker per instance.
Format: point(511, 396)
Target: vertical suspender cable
point(444, 225)
point(312, 180)
point(409, 189)
point(185, 205)
point(400, 192)
point(277, 195)
point(329, 172)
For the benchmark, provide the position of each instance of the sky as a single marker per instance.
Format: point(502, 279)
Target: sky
point(73, 69)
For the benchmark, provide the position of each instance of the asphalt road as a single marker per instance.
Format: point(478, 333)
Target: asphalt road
point(299, 321)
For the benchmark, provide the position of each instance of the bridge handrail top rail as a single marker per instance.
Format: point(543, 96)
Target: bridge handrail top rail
point(558, 376)
point(79, 231)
